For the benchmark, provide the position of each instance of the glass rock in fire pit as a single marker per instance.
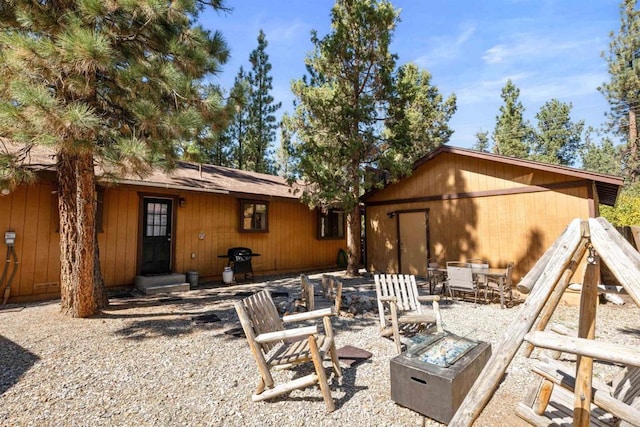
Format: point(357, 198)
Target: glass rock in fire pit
point(442, 350)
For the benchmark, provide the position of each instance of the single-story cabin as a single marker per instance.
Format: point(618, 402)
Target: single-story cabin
point(170, 223)
point(459, 204)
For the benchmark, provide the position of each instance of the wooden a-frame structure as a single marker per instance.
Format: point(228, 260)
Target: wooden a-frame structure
point(545, 283)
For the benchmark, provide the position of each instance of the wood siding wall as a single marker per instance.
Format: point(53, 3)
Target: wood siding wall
point(477, 208)
point(206, 226)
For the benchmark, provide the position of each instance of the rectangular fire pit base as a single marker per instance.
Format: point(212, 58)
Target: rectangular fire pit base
point(432, 390)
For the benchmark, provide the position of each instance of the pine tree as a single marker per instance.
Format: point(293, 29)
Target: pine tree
point(511, 135)
point(339, 108)
point(233, 140)
point(482, 142)
point(604, 157)
point(115, 83)
point(558, 139)
point(210, 145)
point(261, 129)
point(357, 114)
point(623, 90)
point(419, 113)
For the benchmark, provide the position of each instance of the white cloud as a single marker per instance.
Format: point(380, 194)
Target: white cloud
point(281, 32)
point(495, 54)
point(446, 48)
point(481, 91)
point(531, 47)
point(564, 88)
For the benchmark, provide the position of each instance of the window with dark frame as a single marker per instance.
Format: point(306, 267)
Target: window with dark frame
point(254, 216)
point(331, 224)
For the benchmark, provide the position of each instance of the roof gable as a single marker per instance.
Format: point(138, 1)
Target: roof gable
point(607, 186)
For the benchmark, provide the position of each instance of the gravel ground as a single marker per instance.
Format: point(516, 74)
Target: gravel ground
point(147, 361)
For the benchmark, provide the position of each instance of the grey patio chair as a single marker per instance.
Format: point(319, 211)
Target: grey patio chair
point(480, 268)
point(493, 285)
point(435, 275)
point(460, 279)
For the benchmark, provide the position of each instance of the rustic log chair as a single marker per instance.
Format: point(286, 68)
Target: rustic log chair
point(551, 400)
point(400, 308)
point(307, 292)
point(331, 292)
point(274, 346)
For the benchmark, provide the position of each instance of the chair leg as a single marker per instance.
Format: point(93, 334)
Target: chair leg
point(335, 361)
point(322, 375)
point(261, 386)
point(396, 328)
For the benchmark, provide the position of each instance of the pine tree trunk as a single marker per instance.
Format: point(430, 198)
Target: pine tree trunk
point(353, 242)
point(77, 206)
point(633, 146)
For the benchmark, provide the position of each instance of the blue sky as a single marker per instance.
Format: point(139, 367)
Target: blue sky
point(549, 48)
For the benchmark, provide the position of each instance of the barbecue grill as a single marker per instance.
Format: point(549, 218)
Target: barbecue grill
point(240, 260)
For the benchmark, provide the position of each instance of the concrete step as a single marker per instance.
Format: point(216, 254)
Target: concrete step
point(180, 287)
point(162, 283)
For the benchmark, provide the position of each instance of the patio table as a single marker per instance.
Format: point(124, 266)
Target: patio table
point(497, 275)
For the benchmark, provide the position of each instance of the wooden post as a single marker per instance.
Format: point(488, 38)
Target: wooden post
point(484, 387)
point(557, 293)
point(586, 329)
point(622, 259)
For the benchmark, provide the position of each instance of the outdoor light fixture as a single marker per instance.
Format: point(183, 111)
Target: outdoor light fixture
point(5, 191)
point(391, 214)
point(182, 202)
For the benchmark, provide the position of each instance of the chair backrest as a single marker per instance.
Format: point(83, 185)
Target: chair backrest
point(307, 292)
point(401, 286)
point(432, 263)
point(509, 272)
point(262, 315)
point(460, 275)
point(479, 265)
point(332, 290)
point(626, 386)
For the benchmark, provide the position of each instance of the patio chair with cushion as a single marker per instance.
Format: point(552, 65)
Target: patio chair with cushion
point(273, 346)
point(400, 308)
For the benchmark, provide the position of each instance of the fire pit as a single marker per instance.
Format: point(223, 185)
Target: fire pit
point(434, 375)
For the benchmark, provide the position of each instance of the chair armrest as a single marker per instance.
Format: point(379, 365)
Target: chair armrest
point(429, 298)
point(309, 315)
point(287, 334)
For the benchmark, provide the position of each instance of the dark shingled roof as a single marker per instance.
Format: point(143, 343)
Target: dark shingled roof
point(186, 176)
